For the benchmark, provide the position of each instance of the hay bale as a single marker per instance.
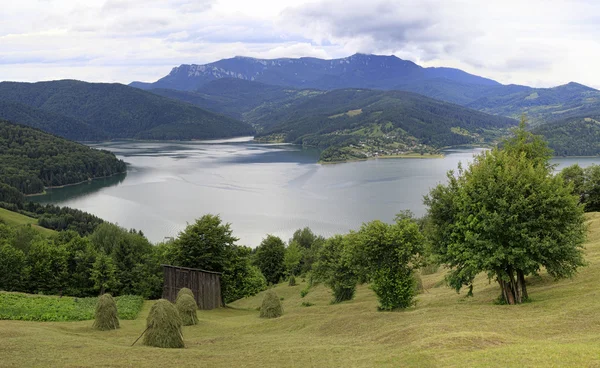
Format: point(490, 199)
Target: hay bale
point(163, 326)
point(419, 284)
point(186, 306)
point(271, 306)
point(292, 281)
point(185, 291)
point(106, 316)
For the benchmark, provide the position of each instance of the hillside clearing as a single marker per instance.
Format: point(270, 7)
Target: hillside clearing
point(560, 327)
point(14, 218)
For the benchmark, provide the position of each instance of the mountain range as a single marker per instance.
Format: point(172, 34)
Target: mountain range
point(93, 111)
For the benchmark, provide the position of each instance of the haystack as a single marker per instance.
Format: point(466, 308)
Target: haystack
point(106, 316)
point(163, 326)
point(292, 281)
point(185, 291)
point(271, 306)
point(186, 306)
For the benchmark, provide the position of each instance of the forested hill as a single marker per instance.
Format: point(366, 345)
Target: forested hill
point(103, 110)
point(578, 136)
point(355, 123)
point(31, 160)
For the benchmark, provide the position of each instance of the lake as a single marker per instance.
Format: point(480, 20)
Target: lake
point(259, 188)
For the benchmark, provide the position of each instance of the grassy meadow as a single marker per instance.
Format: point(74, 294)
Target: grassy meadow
point(559, 327)
point(16, 219)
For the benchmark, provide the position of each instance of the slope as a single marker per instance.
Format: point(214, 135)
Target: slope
point(577, 136)
point(355, 123)
point(541, 105)
point(559, 327)
point(32, 160)
point(117, 111)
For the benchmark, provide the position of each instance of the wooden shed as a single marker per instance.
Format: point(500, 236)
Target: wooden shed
point(206, 285)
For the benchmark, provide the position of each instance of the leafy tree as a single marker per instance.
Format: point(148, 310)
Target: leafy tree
point(309, 244)
point(293, 256)
point(269, 258)
point(388, 254)
point(47, 265)
point(13, 270)
point(103, 273)
point(206, 244)
point(80, 261)
point(240, 277)
point(508, 216)
point(334, 267)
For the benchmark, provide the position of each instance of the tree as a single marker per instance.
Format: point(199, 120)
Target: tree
point(240, 277)
point(206, 244)
point(293, 256)
point(47, 264)
point(334, 268)
point(388, 254)
point(269, 258)
point(12, 268)
point(309, 245)
point(508, 216)
point(80, 261)
point(103, 273)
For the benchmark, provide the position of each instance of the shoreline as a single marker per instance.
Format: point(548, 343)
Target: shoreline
point(72, 184)
point(385, 157)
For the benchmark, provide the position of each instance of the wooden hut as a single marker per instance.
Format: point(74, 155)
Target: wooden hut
point(206, 285)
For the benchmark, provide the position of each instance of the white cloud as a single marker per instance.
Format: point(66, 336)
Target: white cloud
point(540, 43)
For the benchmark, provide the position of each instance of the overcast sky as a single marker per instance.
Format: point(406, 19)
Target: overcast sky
point(538, 43)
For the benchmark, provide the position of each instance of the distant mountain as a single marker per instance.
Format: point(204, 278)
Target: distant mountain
point(356, 71)
point(541, 105)
point(358, 123)
point(83, 111)
point(248, 101)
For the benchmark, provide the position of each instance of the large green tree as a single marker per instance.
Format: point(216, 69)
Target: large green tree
point(507, 215)
point(334, 267)
point(269, 258)
point(387, 256)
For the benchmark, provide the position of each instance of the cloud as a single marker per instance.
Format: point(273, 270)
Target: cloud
point(536, 42)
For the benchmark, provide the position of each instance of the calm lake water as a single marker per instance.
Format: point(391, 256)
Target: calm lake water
point(260, 189)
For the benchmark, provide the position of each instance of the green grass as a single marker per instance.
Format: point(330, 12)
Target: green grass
point(16, 219)
point(25, 307)
point(560, 327)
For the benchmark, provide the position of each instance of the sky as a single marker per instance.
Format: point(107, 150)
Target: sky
point(537, 43)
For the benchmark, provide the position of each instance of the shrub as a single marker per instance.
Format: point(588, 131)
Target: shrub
point(394, 289)
point(106, 316)
point(163, 326)
point(186, 307)
point(334, 268)
point(292, 281)
point(271, 306)
point(307, 304)
point(304, 292)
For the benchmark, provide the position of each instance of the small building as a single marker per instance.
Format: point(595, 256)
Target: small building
point(206, 285)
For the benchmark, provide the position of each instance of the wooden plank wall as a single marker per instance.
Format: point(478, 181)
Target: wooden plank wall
point(205, 285)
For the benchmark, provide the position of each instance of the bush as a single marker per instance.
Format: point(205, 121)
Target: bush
point(271, 306)
point(394, 289)
point(106, 316)
point(307, 304)
point(304, 292)
point(163, 326)
point(186, 306)
point(292, 281)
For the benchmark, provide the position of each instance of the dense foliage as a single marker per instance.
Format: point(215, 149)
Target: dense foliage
point(586, 185)
point(334, 267)
point(270, 258)
point(579, 136)
point(32, 160)
point(508, 216)
point(103, 110)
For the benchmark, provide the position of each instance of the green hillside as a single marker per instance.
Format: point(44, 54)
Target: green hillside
point(31, 160)
point(541, 105)
point(103, 110)
point(579, 136)
point(357, 123)
point(560, 327)
point(16, 219)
